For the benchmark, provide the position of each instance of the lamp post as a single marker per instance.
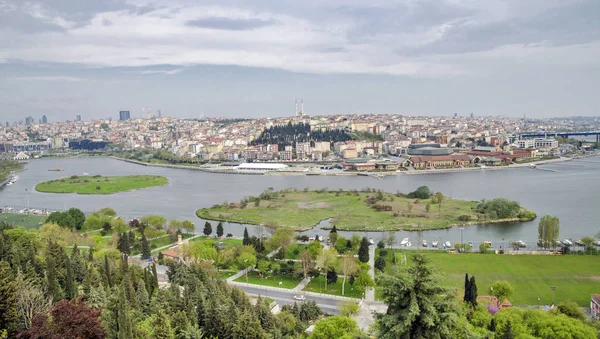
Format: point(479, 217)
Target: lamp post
point(553, 290)
point(538, 302)
point(462, 246)
point(246, 271)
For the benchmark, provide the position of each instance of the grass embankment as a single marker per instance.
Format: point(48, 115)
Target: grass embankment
point(26, 221)
point(100, 184)
point(6, 166)
point(317, 285)
point(287, 280)
point(576, 277)
point(349, 210)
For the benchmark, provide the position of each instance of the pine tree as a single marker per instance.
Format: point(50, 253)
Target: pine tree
point(162, 326)
point(91, 255)
point(9, 316)
point(246, 239)
point(154, 280)
point(363, 251)
point(145, 248)
point(70, 287)
point(473, 291)
point(123, 243)
point(54, 289)
point(207, 229)
point(107, 272)
point(142, 296)
point(131, 238)
point(220, 229)
point(467, 295)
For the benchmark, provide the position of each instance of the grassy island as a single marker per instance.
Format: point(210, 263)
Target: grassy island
point(365, 210)
point(98, 184)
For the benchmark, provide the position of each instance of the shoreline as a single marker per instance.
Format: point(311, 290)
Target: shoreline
point(101, 193)
point(377, 175)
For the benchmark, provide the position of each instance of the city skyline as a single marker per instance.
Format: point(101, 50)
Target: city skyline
point(230, 60)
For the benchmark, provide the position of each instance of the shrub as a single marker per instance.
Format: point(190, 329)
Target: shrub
point(98, 187)
point(422, 192)
point(464, 217)
point(97, 176)
point(74, 177)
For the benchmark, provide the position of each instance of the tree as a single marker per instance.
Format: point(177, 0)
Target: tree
point(68, 320)
point(326, 259)
point(467, 295)
point(380, 263)
point(332, 276)
point(162, 326)
point(333, 236)
point(306, 261)
point(220, 229)
point(473, 291)
point(9, 316)
point(571, 309)
point(340, 327)
point(548, 230)
point(246, 239)
point(70, 286)
point(146, 253)
point(107, 211)
point(348, 266)
point(31, 300)
point(390, 239)
point(155, 221)
point(508, 332)
point(422, 192)
point(502, 291)
point(78, 217)
point(207, 229)
point(123, 243)
point(363, 279)
point(363, 251)
point(418, 307)
point(380, 244)
point(439, 197)
point(349, 308)
point(188, 226)
point(340, 244)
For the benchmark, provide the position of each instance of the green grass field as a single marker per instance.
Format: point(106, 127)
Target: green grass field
point(317, 285)
point(287, 281)
point(228, 242)
point(348, 210)
point(576, 277)
point(22, 220)
point(100, 184)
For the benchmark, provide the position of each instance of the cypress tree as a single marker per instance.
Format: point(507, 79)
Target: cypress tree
point(162, 326)
point(70, 288)
point(467, 295)
point(131, 238)
point(107, 272)
point(91, 255)
point(220, 229)
point(508, 332)
point(143, 298)
point(207, 229)
point(145, 248)
point(123, 243)
point(154, 280)
point(53, 288)
point(246, 240)
point(473, 291)
point(363, 251)
point(123, 315)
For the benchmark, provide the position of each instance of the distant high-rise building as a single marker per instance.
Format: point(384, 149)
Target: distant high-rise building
point(44, 119)
point(124, 115)
point(29, 121)
point(7, 124)
point(78, 118)
point(158, 113)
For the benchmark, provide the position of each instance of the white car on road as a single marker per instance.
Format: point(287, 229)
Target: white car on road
point(299, 297)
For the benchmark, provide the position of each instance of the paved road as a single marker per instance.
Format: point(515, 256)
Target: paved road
point(328, 305)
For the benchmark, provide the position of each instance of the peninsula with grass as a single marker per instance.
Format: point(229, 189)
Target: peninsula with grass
point(99, 184)
point(365, 210)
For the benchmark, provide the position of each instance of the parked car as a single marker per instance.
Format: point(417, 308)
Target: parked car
point(299, 297)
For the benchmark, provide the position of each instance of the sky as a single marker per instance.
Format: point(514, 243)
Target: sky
point(245, 59)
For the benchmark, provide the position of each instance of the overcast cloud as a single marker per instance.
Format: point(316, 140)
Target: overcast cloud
point(239, 58)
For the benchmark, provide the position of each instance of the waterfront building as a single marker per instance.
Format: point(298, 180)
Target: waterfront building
point(595, 306)
point(44, 119)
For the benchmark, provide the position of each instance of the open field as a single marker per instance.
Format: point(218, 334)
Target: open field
point(100, 184)
point(317, 285)
point(22, 220)
point(348, 210)
point(228, 242)
point(576, 277)
point(287, 280)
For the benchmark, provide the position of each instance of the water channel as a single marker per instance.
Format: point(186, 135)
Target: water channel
point(570, 191)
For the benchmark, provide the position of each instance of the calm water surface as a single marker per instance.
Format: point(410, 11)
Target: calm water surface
point(569, 192)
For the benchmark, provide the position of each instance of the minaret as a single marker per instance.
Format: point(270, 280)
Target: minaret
point(295, 107)
point(302, 107)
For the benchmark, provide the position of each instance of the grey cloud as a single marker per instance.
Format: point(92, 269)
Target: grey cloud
point(230, 24)
point(22, 22)
point(576, 23)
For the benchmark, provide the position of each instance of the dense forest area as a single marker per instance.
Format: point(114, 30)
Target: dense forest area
point(289, 134)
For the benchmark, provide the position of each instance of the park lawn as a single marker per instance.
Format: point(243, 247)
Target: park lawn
point(228, 242)
point(26, 221)
point(226, 274)
point(161, 242)
point(317, 285)
point(348, 210)
point(287, 280)
point(100, 184)
point(576, 277)
point(293, 252)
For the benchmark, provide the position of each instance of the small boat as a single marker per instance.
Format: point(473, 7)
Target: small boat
point(520, 243)
point(371, 241)
point(9, 183)
point(404, 242)
point(55, 169)
point(579, 243)
point(448, 244)
point(85, 173)
point(424, 243)
point(408, 244)
point(434, 244)
point(597, 243)
point(567, 242)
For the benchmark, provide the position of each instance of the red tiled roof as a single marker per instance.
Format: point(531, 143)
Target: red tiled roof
point(596, 298)
point(172, 252)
